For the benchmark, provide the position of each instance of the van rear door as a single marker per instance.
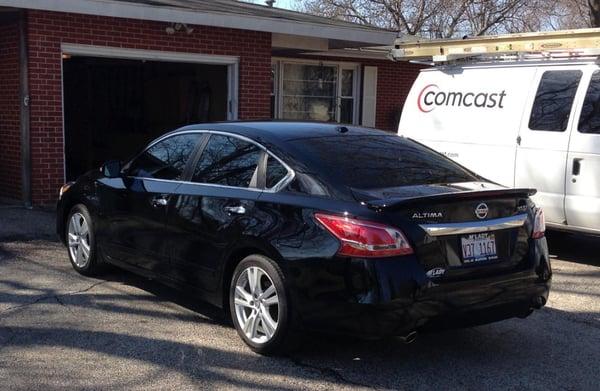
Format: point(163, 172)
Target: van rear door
point(544, 138)
point(582, 202)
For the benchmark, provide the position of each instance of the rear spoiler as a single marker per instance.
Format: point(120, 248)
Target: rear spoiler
point(392, 203)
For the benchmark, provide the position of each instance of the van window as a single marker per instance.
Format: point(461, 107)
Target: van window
point(589, 120)
point(553, 100)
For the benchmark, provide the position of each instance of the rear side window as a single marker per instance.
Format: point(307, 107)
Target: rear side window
point(553, 100)
point(165, 159)
point(589, 121)
point(275, 172)
point(371, 162)
point(228, 161)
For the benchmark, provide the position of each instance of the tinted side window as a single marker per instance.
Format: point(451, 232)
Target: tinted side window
point(166, 159)
point(553, 100)
point(228, 161)
point(589, 121)
point(275, 172)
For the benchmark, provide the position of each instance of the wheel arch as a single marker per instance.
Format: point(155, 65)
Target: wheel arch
point(65, 208)
point(235, 256)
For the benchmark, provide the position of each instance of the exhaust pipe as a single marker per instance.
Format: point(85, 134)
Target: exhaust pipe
point(409, 338)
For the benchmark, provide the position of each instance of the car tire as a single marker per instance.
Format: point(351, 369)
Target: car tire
point(81, 242)
point(253, 311)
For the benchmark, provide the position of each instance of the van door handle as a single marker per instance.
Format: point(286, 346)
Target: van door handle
point(576, 166)
point(159, 201)
point(235, 210)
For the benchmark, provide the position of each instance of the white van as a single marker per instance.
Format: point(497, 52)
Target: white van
point(522, 123)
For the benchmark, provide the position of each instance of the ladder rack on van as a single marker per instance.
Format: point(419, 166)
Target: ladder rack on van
point(537, 45)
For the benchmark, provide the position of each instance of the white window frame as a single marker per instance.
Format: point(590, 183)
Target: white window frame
point(279, 62)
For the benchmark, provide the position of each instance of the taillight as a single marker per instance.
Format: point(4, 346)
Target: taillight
point(539, 224)
point(361, 238)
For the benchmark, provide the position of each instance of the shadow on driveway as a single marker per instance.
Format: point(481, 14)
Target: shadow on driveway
point(578, 248)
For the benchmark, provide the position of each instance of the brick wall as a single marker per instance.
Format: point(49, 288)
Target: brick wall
point(10, 147)
point(394, 80)
point(46, 32)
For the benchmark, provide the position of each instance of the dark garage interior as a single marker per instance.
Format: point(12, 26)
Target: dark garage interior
point(113, 107)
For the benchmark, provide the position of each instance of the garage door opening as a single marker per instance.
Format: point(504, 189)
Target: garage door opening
point(113, 107)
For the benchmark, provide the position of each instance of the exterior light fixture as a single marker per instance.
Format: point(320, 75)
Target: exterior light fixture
point(174, 27)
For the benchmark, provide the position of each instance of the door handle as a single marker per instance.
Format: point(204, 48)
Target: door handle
point(159, 201)
point(235, 210)
point(576, 166)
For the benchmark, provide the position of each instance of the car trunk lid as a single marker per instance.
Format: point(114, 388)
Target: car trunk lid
point(459, 231)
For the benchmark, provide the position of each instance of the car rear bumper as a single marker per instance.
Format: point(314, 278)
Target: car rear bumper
point(378, 298)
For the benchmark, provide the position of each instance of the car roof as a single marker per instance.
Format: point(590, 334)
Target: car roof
point(277, 132)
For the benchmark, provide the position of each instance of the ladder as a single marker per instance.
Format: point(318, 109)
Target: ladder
point(551, 44)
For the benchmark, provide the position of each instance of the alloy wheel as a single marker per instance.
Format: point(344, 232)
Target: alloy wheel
point(256, 304)
point(79, 240)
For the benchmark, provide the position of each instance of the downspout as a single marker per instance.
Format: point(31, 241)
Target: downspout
point(24, 112)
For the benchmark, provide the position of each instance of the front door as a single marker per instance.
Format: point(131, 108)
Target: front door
point(543, 141)
point(137, 216)
point(582, 202)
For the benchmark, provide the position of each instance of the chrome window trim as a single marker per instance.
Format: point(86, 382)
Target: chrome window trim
point(469, 227)
point(280, 185)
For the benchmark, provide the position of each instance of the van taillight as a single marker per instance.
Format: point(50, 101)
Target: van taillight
point(359, 238)
point(539, 224)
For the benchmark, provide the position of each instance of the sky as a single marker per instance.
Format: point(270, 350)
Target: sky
point(278, 3)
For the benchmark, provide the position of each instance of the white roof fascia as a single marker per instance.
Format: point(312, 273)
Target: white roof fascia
point(227, 20)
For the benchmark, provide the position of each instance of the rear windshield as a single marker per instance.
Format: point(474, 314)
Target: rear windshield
point(372, 162)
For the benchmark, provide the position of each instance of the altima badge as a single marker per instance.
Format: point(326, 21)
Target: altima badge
point(481, 211)
point(427, 215)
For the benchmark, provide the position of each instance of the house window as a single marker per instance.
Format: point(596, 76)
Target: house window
point(315, 91)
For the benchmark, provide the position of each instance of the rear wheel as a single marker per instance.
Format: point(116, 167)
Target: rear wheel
point(81, 242)
point(259, 305)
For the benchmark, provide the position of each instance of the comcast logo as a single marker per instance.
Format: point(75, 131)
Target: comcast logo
point(431, 96)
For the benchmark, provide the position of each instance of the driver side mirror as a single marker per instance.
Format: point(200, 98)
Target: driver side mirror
point(111, 169)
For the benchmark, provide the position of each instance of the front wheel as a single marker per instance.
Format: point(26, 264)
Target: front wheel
point(81, 241)
point(259, 305)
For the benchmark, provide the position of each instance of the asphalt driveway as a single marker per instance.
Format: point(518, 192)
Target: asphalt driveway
point(59, 330)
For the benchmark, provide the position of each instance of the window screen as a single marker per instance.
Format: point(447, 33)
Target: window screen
point(309, 92)
point(228, 161)
point(165, 159)
point(553, 100)
point(589, 121)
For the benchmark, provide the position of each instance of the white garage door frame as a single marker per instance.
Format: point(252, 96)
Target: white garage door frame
point(232, 63)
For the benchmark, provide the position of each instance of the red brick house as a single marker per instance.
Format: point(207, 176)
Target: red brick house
point(89, 80)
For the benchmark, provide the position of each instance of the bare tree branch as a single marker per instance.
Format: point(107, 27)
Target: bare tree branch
point(456, 18)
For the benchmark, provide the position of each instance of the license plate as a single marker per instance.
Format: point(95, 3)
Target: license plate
point(478, 247)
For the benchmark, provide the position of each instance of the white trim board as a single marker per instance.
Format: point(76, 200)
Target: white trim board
point(359, 35)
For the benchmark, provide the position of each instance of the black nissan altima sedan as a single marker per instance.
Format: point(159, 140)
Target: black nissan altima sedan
point(295, 226)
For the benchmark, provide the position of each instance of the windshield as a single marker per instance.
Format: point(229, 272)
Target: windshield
point(371, 162)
